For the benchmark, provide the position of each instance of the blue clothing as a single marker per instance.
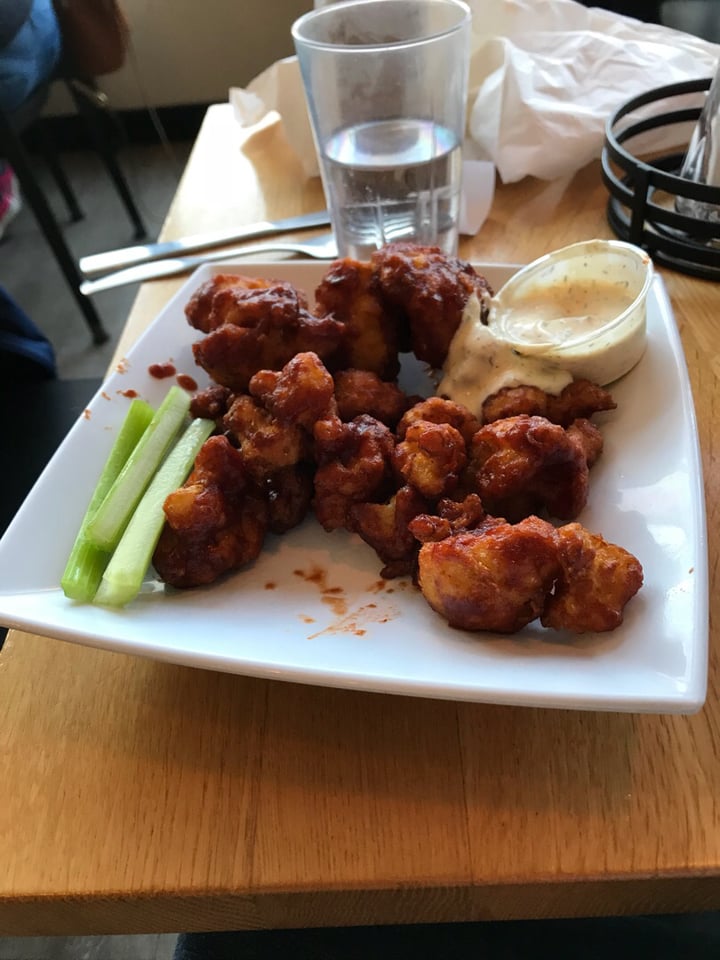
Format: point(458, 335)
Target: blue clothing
point(24, 352)
point(31, 56)
point(13, 14)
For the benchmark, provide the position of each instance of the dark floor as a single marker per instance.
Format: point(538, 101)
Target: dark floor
point(150, 947)
point(29, 271)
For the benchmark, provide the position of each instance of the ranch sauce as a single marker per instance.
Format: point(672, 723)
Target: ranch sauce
point(559, 314)
point(582, 308)
point(479, 363)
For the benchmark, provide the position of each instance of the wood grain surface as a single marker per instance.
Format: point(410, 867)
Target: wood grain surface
point(145, 797)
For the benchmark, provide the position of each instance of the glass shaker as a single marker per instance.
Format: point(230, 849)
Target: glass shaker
point(702, 160)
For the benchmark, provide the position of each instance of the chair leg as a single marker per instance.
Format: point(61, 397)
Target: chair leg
point(93, 113)
point(50, 156)
point(17, 157)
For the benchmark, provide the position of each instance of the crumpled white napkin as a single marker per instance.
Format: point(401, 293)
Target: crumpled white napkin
point(545, 75)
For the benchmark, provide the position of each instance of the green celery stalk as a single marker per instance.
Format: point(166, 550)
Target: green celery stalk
point(86, 563)
point(124, 573)
point(112, 516)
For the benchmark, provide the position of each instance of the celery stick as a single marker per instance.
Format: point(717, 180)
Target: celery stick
point(86, 562)
point(124, 573)
point(107, 525)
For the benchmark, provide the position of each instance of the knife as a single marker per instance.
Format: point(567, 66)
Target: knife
point(321, 248)
point(144, 252)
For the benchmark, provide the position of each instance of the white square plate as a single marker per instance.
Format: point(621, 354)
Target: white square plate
point(313, 609)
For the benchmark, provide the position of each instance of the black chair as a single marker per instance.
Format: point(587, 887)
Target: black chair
point(15, 127)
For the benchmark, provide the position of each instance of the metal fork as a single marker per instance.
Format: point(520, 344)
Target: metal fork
point(322, 247)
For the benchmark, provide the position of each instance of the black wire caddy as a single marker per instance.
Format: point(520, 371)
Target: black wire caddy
point(643, 194)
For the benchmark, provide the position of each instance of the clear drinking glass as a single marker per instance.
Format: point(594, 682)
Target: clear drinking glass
point(386, 88)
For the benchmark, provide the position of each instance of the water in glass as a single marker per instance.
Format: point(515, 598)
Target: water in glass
point(396, 179)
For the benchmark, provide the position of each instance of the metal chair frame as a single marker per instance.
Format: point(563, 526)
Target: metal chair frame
point(14, 126)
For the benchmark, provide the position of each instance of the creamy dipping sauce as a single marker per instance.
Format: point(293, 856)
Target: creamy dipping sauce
point(479, 363)
point(563, 312)
point(576, 313)
point(582, 308)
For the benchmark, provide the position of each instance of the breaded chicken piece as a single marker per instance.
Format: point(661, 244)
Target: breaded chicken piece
point(496, 577)
point(596, 582)
point(214, 523)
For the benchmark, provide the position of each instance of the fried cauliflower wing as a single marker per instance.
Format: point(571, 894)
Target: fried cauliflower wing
point(429, 290)
point(596, 582)
point(269, 335)
point(243, 302)
point(431, 458)
point(360, 391)
point(579, 399)
point(289, 495)
point(386, 528)
point(301, 393)
point(586, 436)
point(266, 444)
point(354, 466)
point(440, 410)
point(211, 403)
point(348, 293)
point(214, 523)
point(494, 578)
point(200, 310)
point(452, 517)
point(523, 464)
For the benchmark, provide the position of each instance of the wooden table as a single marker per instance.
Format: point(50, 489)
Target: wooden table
point(143, 797)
